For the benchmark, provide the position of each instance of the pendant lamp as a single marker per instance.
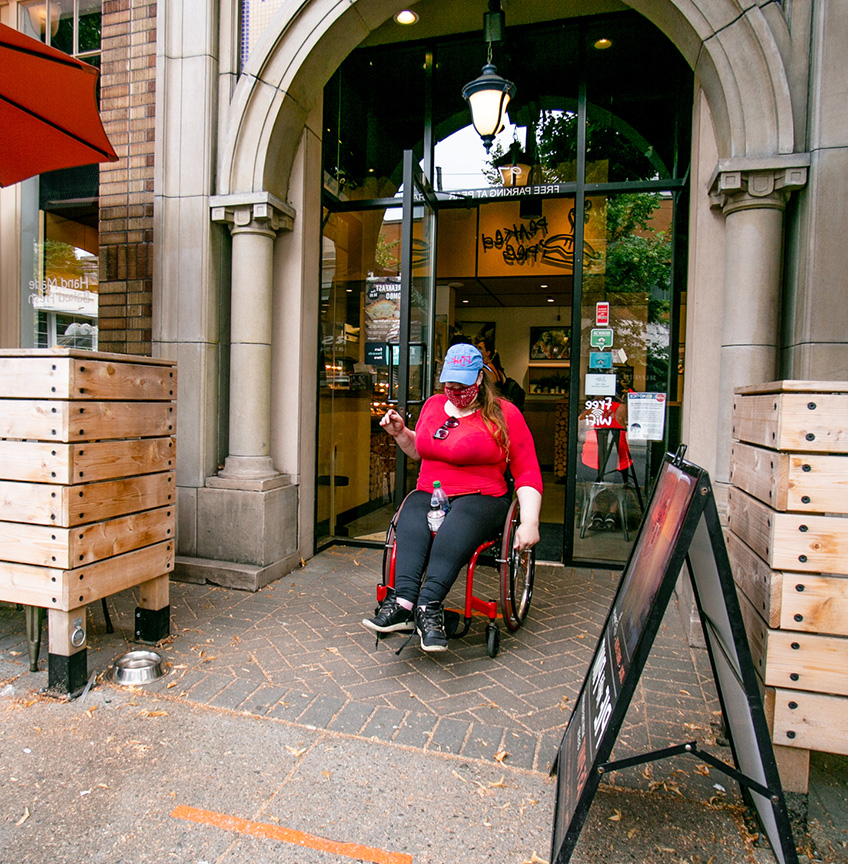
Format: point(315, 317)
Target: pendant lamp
point(489, 94)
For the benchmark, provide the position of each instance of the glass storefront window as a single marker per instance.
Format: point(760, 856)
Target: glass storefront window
point(357, 368)
point(88, 29)
point(60, 243)
point(372, 112)
point(624, 366)
point(641, 132)
point(72, 26)
point(509, 225)
point(64, 300)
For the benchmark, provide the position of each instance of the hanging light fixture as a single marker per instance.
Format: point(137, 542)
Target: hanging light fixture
point(488, 95)
point(514, 166)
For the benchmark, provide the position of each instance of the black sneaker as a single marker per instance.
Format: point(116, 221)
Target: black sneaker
point(597, 522)
point(430, 627)
point(611, 523)
point(390, 617)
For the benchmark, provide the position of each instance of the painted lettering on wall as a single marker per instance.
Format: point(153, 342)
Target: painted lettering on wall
point(530, 242)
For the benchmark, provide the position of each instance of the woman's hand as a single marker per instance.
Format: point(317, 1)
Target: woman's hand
point(404, 437)
point(393, 423)
point(526, 536)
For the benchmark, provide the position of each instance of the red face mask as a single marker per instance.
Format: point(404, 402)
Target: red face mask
point(462, 397)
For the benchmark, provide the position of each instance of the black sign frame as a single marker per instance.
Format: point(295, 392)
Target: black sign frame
point(680, 529)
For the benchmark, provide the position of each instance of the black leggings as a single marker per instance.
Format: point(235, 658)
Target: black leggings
point(472, 520)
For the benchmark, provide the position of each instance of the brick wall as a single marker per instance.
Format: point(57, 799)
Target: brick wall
point(127, 103)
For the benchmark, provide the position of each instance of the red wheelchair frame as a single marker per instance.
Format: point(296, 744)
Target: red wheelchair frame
point(516, 574)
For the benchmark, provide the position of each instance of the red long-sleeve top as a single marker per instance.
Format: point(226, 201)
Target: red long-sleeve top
point(469, 460)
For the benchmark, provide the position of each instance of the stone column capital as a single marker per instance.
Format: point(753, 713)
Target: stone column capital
point(748, 184)
point(254, 212)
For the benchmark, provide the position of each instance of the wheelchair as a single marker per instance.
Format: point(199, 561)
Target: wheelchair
point(516, 572)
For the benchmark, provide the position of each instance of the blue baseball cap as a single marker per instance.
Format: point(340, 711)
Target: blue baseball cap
point(462, 363)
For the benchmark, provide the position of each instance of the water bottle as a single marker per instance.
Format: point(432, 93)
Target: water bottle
point(439, 505)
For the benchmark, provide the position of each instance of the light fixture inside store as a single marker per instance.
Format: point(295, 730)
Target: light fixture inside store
point(406, 17)
point(38, 17)
point(603, 44)
point(550, 299)
point(488, 95)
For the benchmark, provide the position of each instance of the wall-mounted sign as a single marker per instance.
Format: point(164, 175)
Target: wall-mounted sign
point(600, 385)
point(602, 310)
point(600, 360)
point(601, 337)
point(645, 416)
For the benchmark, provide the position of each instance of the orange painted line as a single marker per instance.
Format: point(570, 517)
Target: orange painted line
point(289, 835)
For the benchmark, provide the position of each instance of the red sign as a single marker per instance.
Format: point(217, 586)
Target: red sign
point(602, 314)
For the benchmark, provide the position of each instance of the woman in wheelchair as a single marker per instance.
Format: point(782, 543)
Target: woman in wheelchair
point(466, 438)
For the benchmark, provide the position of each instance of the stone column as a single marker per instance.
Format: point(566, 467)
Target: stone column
point(254, 222)
point(247, 514)
point(752, 198)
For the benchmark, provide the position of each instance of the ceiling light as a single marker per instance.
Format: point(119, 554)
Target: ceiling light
point(406, 17)
point(603, 44)
point(464, 301)
point(543, 286)
point(550, 299)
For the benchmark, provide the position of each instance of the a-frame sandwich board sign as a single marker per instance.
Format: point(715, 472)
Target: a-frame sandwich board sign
point(680, 530)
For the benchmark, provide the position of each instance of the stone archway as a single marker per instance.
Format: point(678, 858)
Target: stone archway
point(267, 144)
point(733, 51)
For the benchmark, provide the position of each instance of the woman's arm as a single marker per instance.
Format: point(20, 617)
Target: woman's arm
point(404, 437)
point(530, 504)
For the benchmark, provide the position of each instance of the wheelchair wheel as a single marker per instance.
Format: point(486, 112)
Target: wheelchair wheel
point(388, 551)
point(517, 571)
point(389, 546)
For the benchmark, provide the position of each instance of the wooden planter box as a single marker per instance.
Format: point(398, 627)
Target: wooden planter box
point(87, 491)
point(788, 544)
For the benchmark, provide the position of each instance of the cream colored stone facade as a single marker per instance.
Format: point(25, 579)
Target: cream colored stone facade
point(237, 230)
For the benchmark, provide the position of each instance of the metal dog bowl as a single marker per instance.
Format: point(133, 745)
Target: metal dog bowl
point(138, 667)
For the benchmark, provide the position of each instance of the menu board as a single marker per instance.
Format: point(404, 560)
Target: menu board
point(607, 686)
point(676, 514)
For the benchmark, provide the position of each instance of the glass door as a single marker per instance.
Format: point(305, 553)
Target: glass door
point(375, 352)
point(624, 367)
point(417, 286)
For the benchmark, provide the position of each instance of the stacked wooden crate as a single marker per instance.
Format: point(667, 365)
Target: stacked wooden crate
point(87, 491)
point(788, 544)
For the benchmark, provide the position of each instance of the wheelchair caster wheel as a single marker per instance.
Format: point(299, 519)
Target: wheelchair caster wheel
point(493, 640)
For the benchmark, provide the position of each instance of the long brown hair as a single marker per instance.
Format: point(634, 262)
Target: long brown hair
point(490, 410)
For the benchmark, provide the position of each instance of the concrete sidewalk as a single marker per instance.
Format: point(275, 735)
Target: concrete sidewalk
point(281, 734)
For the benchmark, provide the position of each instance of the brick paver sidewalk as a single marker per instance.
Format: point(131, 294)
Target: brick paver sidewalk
point(296, 650)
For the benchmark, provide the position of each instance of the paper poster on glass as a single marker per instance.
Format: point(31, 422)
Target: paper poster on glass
point(600, 384)
point(382, 309)
point(646, 416)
